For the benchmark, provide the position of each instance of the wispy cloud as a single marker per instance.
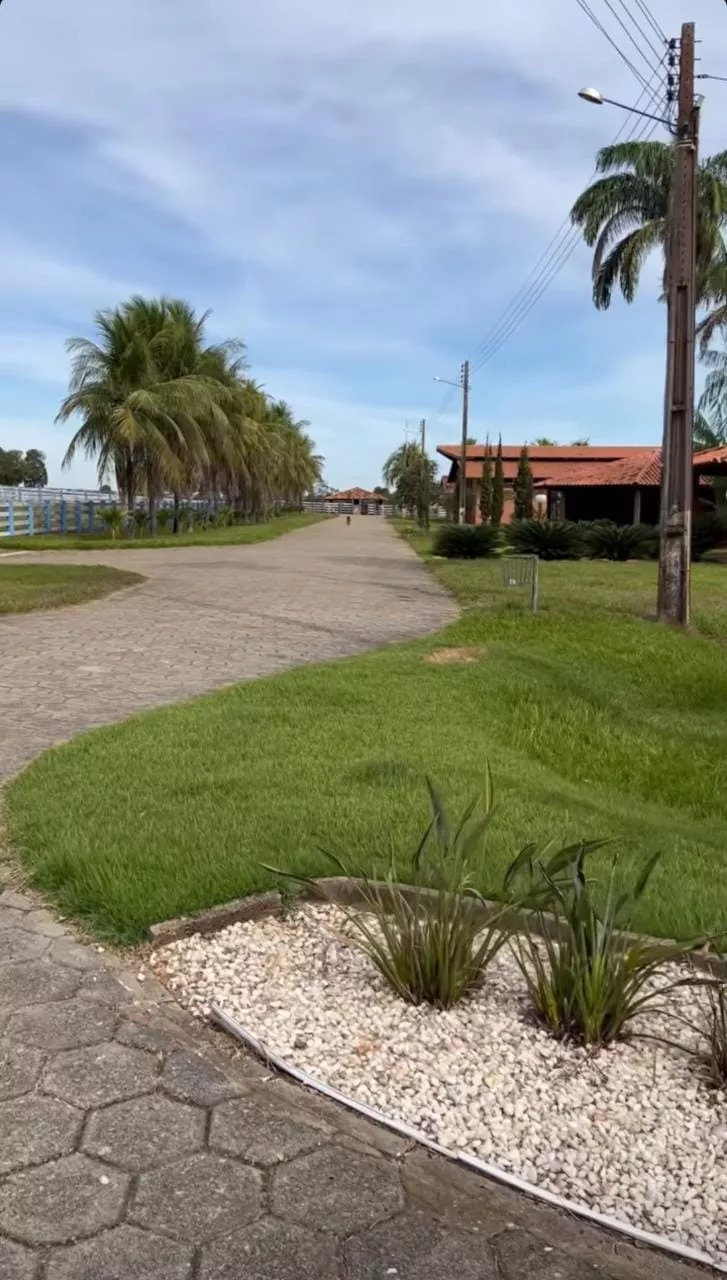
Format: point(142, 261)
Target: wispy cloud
point(356, 192)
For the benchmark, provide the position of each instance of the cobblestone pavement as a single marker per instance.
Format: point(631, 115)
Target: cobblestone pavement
point(206, 617)
point(137, 1144)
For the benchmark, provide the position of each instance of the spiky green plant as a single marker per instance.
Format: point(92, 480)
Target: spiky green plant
point(430, 938)
point(586, 979)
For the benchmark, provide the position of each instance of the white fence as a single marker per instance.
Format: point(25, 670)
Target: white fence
point(25, 493)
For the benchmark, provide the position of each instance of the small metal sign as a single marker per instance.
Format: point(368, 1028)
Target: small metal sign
point(522, 571)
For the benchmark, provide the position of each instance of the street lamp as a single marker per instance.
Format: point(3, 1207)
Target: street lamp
point(677, 492)
point(464, 384)
point(596, 98)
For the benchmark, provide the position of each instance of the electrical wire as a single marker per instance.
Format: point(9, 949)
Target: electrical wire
point(565, 252)
point(560, 248)
point(643, 8)
point(644, 34)
point(628, 34)
point(585, 6)
point(556, 253)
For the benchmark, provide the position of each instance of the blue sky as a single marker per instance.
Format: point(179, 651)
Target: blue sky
point(357, 192)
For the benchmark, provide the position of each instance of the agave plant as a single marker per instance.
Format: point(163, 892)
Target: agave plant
point(547, 539)
point(430, 939)
point(586, 979)
point(466, 541)
point(607, 540)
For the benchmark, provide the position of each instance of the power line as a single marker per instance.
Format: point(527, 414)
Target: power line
point(556, 254)
point(644, 34)
point(563, 254)
point(632, 38)
point(585, 6)
point(646, 11)
point(551, 260)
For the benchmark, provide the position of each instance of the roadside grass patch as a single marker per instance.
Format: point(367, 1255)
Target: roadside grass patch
point(26, 587)
point(227, 535)
point(596, 723)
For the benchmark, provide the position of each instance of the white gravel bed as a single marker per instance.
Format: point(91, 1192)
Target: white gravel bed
point(631, 1132)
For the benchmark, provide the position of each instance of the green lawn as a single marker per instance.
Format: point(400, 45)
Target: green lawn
point(41, 586)
point(595, 720)
point(227, 536)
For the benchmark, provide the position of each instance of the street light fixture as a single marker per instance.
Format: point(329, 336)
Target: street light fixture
point(677, 493)
point(596, 98)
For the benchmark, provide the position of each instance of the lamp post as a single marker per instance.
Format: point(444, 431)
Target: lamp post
point(464, 385)
point(677, 485)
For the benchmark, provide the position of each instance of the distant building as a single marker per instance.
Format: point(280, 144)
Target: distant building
point(362, 501)
point(585, 482)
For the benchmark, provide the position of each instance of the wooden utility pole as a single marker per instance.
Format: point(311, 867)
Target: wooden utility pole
point(424, 476)
point(673, 604)
point(465, 381)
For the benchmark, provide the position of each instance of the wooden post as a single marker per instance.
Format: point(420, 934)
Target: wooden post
point(637, 506)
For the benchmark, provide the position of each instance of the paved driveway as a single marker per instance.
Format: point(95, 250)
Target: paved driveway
point(206, 617)
point(137, 1145)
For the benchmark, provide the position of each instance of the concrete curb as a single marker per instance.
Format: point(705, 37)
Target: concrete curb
point(348, 893)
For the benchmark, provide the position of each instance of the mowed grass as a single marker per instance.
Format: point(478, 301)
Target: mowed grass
point(232, 535)
point(595, 721)
point(24, 587)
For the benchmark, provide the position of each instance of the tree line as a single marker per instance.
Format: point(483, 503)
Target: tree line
point(164, 411)
point(18, 468)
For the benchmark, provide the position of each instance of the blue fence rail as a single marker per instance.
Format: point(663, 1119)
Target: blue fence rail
point(64, 516)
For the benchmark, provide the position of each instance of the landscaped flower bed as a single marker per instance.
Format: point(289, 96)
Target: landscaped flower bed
point(634, 1131)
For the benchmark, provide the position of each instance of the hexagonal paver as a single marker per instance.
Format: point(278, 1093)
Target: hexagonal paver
point(99, 1074)
point(142, 1035)
point(254, 1131)
point(145, 1132)
point(20, 1066)
point(122, 1254)
point(34, 1129)
point(336, 1190)
point(414, 1246)
point(198, 1198)
point(67, 951)
point(18, 944)
point(27, 981)
point(17, 1262)
point(105, 986)
point(66, 1025)
point(191, 1078)
point(271, 1250)
point(525, 1257)
point(62, 1201)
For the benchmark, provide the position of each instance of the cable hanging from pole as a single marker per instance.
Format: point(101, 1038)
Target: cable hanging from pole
point(648, 15)
point(554, 257)
point(585, 6)
point(628, 34)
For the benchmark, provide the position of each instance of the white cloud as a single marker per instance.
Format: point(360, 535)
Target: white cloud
point(356, 191)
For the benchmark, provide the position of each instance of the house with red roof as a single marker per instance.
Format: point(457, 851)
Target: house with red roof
point(362, 501)
point(586, 482)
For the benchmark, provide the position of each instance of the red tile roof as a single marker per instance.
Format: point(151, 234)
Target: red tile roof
point(355, 495)
point(710, 457)
point(643, 467)
point(545, 453)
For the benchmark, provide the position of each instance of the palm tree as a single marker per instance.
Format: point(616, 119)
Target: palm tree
point(144, 405)
point(164, 409)
point(623, 215)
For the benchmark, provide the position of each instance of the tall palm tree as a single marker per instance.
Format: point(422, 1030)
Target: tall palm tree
point(164, 409)
point(144, 406)
point(623, 215)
